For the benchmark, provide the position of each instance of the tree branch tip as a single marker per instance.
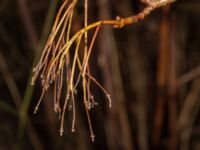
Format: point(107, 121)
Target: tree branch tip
point(61, 131)
point(73, 130)
point(36, 110)
point(93, 137)
point(32, 83)
point(56, 108)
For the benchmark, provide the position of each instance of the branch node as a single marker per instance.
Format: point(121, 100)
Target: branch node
point(120, 22)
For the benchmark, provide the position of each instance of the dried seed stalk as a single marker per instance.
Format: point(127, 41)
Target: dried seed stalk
point(55, 66)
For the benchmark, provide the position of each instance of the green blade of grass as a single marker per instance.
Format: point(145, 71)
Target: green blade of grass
point(29, 89)
point(8, 108)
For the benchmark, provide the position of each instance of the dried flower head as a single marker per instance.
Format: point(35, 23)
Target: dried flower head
point(56, 67)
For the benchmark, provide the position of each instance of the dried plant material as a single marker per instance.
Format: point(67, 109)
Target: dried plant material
point(55, 66)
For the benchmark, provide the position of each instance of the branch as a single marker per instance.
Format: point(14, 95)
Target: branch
point(121, 22)
point(57, 52)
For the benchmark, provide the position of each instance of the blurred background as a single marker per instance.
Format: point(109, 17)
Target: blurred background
point(151, 69)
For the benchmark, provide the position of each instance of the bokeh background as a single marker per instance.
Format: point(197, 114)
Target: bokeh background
point(151, 69)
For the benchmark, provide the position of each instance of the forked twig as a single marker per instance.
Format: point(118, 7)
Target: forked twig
point(55, 62)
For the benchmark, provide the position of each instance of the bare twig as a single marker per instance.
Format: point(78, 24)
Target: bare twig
point(28, 22)
point(172, 85)
point(55, 58)
point(188, 114)
point(191, 75)
point(162, 79)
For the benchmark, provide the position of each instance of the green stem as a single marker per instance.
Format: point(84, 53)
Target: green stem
point(8, 108)
point(29, 89)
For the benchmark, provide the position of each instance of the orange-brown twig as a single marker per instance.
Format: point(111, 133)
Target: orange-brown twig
point(57, 52)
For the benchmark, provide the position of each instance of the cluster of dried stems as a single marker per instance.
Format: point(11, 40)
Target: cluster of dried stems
point(60, 59)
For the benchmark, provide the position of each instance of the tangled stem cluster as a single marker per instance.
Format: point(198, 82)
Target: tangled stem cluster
point(60, 59)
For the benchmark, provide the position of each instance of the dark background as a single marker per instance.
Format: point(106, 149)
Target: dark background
point(151, 69)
